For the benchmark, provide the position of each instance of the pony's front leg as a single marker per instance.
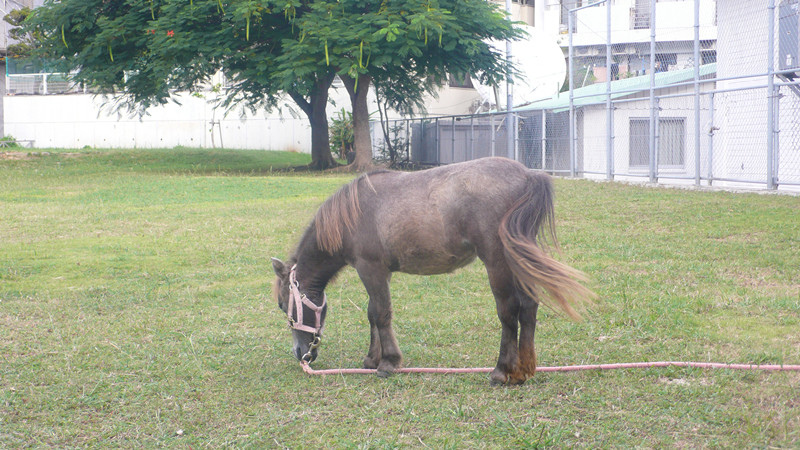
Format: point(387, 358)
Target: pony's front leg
point(373, 357)
point(384, 351)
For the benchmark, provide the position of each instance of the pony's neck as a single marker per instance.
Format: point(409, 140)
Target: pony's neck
point(315, 267)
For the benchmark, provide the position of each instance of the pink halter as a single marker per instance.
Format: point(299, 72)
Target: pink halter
point(296, 302)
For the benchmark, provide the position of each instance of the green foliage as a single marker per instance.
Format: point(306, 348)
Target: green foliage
point(8, 141)
point(149, 48)
point(341, 132)
point(405, 47)
point(27, 42)
point(395, 144)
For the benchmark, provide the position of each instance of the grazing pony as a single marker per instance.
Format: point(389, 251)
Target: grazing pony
point(432, 222)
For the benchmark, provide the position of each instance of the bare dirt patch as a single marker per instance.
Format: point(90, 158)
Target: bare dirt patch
point(23, 156)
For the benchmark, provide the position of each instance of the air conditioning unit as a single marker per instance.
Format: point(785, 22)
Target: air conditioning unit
point(789, 37)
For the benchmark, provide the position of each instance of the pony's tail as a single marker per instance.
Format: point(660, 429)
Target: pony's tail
point(524, 231)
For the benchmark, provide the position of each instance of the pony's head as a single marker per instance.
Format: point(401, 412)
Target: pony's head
point(306, 316)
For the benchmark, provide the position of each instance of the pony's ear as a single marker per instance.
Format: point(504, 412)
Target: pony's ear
point(279, 267)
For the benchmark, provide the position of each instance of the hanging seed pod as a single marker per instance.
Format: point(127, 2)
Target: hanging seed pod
point(110, 54)
point(63, 39)
point(327, 60)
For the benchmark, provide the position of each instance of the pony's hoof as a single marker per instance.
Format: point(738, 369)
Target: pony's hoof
point(370, 363)
point(385, 370)
point(516, 381)
point(498, 378)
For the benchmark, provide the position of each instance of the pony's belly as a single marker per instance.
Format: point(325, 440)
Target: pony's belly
point(432, 262)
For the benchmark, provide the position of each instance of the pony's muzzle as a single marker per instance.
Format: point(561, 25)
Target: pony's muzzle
point(305, 355)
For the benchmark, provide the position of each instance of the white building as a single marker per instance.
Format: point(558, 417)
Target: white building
point(630, 32)
point(746, 134)
point(743, 127)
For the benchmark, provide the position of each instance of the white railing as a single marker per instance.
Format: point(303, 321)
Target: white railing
point(40, 84)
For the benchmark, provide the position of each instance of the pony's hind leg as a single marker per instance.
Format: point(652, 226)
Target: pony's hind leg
point(508, 310)
point(527, 330)
point(384, 352)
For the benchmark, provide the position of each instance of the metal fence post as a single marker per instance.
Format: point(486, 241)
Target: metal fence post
point(609, 111)
point(453, 140)
point(544, 139)
point(472, 136)
point(571, 126)
point(776, 153)
point(509, 96)
point(771, 98)
point(436, 142)
point(653, 163)
point(408, 140)
point(711, 130)
point(697, 92)
point(6, 79)
point(494, 134)
point(515, 130)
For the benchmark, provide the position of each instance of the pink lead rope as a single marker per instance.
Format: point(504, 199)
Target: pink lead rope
point(640, 365)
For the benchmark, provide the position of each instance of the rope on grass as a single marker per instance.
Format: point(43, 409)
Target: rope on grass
point(637, 365)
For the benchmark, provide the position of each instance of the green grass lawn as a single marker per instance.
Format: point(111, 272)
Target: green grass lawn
point(135, 311)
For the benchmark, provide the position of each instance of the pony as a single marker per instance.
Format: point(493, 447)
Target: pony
point(432, 222)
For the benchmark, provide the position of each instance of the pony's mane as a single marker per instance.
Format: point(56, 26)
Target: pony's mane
point(339, 214)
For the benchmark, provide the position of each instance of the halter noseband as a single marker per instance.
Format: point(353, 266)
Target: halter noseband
point(296, 302)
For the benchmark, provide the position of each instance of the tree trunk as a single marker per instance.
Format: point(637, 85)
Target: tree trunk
point(361, 137)
point(314, 108)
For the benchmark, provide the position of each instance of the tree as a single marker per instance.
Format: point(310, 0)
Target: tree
point(147, 49)
point(401, 46)
point(26, 41)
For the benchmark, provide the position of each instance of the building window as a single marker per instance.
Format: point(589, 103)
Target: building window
point(671, 142)
point(640, 15)
point(665, 60)
point(463, 81)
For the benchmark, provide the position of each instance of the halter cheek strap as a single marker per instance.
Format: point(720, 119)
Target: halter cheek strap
point(296, 302)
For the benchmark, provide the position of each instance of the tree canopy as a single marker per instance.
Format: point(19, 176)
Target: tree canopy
point(147, 49)
point(26, 42)
point(402, 47)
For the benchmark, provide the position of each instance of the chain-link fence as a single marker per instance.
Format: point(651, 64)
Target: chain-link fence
point(693, 92)
point(29, 77)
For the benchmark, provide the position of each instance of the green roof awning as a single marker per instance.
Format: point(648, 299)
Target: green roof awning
point(596, 93)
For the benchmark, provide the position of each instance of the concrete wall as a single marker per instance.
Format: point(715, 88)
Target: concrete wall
point(79, 120)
